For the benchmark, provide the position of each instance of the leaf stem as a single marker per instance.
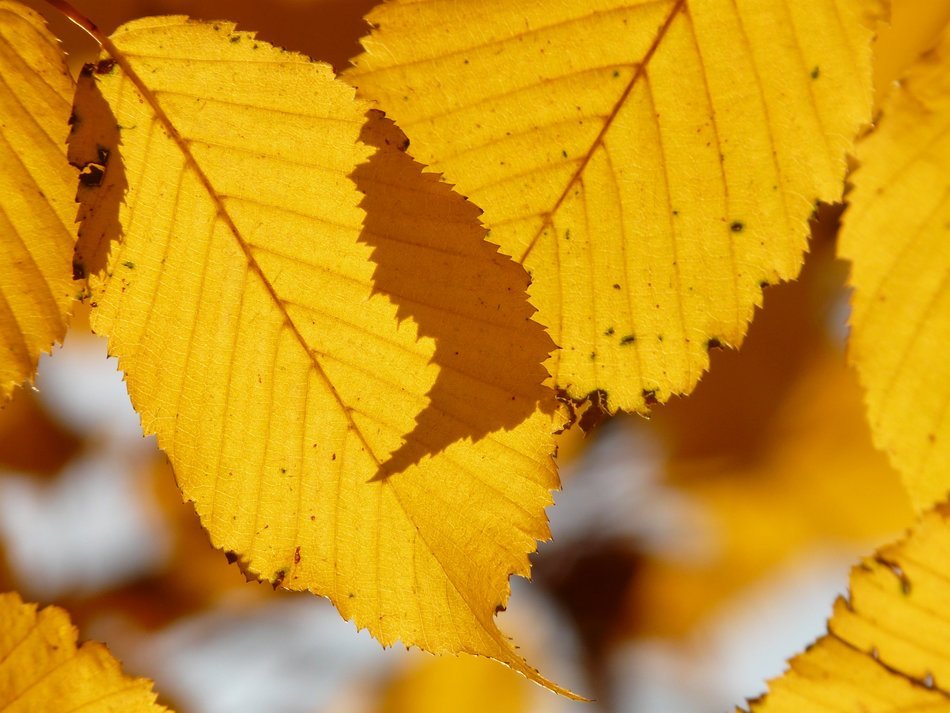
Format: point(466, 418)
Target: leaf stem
point(78, 19)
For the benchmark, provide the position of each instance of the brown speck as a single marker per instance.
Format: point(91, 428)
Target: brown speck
point(713, 343)
point(629, 339)
point(105, 66)
point(649, 396)
point(737, 226)
point(279, 578)
point(231, 556)
point(297, 555)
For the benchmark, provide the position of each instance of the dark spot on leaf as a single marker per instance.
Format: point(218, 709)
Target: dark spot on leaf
point(231, 556)
point(616, 73)
point(713, 343)
point(737, 226)
point(629, 339)
point(105, 66)
point(79, 269)
point(235, 38)
point(897, 571)
point(297, 555)
point(279, 578)
point(815, 73)
point(649, 396)
point(609, 332)
point(129, 264)
point(616, 286)
point(91, 175)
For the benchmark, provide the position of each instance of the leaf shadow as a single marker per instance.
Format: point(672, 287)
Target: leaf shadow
point(94, 140)
point(434, 262)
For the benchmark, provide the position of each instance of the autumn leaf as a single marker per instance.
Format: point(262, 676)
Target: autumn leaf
point(242, 303)
point(37, 188)
point(886, 649)
point(42, 669)
point(651, 163)
point(896, 234)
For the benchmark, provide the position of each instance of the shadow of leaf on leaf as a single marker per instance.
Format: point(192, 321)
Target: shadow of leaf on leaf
point(94, 149)
point(434, 262)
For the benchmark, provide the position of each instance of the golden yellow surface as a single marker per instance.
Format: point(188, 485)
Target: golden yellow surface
point(896, 235)
point(42, 669)
point(651, 163)
point(798, 494)
point(282, 381)
point(37, 188)
point(887, 649)
point(461, 684)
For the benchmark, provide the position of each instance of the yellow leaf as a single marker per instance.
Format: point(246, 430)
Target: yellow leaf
point(42, 669)
point(896, 234)
point(914, 27)
point(243, 306)
point(37, 188)
point(887, 648)
point(460, 684)
point(651, 162)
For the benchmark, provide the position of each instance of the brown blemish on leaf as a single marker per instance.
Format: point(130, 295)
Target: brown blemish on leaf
point(897, 571)
point(94, 150)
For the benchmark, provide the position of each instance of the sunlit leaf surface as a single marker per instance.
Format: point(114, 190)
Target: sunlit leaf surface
point(896, 235)
point(288, 387)
point(37, 190)
point(42, 669)
point(651, 163)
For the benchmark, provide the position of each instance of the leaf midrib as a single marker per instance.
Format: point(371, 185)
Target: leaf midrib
point(598, 141)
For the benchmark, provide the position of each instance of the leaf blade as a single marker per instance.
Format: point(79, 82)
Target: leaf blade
point(895, 236)
point(42, 668)
point(37, 189)
point(639, 180)
point(296, 379)
point(868, 661)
